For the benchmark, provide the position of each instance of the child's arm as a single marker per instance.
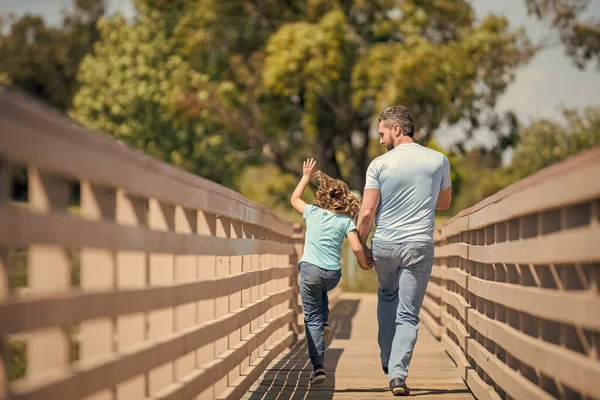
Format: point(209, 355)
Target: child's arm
point(358, 249)
point(307, 171)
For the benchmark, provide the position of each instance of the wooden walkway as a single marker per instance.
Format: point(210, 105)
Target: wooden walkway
point(353, 366)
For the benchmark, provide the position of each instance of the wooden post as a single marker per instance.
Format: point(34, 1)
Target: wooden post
point(185, 271)
point(97, 274)
point(161, 217)
point(206, 225)
point(255, 293)
point(222, 303)
point(131, 273)
point(235, 300)
point(246, 293)
point(49, 273)
point(5, 191)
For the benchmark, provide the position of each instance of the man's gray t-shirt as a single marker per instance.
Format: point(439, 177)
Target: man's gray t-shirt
point(409, 179)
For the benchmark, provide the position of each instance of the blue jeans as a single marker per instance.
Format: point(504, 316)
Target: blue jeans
point(315, 282)
point(403, 272)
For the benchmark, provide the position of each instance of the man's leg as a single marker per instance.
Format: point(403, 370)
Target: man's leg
point(412, 282)
point(386, 267)
point(311, 293)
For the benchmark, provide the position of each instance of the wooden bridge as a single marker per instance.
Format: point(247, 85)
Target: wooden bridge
point(122, 277)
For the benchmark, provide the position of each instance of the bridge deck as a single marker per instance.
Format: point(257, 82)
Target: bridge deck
point(352, 363)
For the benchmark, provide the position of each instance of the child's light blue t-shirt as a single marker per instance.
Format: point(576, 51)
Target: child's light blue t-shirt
point(325, 233)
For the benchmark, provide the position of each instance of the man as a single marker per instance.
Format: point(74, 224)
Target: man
point(403, 189)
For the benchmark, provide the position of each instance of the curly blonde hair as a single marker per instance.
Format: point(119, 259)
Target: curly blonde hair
point(334, 195)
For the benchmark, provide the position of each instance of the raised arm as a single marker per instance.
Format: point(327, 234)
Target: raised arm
point(308, 168)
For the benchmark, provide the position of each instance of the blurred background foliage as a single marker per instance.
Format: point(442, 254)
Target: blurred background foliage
point(240, 92)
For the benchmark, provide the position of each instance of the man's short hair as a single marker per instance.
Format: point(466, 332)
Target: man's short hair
point(398, 115)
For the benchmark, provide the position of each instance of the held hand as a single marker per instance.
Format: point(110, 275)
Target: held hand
point(370, 261)
point(308, 167)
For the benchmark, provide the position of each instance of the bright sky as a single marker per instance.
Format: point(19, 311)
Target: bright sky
point(541, 88)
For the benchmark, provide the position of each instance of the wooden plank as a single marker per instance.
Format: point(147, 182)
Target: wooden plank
point(568, 246)
point(437, 272)
point(481, 390)
point(574, 369)
point(573, 307)
point(569, 187)
point(97, 274)
point(432, 307)
point(87, 378)
point(24, 226)
point(434, 290)
point(69, 309)
point(457, 301)
point(431, 324)
point(456, 275)
point(49, 272)
point(104, 161)
point(353, 365)
point(257, 367)
point(451, 250)
point(223, 364)
point(513, 383)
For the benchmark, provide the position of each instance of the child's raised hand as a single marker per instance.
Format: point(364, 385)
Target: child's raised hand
point(308, 167)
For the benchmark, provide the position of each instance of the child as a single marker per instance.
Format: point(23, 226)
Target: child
point(328, 221)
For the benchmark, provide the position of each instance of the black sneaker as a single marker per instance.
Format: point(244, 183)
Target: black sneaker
point(399, 387)
point(318, 376)
point(385, 369)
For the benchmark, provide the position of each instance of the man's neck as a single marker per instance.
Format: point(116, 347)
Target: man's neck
point(403, 140)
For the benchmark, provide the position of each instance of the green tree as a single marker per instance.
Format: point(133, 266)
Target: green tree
point(137, 87)
point(44, 60)
point(546, 142)
point(302, 78)
point(541, 144)
point(579, 34)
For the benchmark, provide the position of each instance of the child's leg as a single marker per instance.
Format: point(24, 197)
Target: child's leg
point(325, 301)
point(331, 280)
point(311, 293)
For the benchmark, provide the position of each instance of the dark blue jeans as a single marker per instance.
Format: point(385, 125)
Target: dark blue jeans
point(315, 282)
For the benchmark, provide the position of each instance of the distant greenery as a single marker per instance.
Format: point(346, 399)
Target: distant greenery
point(540, 144)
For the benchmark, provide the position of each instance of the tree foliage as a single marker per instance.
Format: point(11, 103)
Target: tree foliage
point(137, 87)
point(44, 60)
point(541, 144)
point(579, 34)
point(298, 78)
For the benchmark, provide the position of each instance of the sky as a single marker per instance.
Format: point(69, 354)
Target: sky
point(542, 88)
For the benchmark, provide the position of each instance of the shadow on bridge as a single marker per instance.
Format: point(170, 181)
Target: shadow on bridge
point(289, 377)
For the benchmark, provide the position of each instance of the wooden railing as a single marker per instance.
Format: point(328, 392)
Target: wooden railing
point(514, 293)
point(122, 277)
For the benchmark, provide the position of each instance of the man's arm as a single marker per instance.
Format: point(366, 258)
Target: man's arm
point(444, 199)
point(368, 210)
point(445, 196)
